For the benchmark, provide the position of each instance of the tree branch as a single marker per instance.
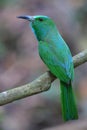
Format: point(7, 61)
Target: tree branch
point(41, 84)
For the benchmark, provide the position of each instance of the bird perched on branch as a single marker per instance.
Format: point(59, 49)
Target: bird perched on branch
point(56, 55)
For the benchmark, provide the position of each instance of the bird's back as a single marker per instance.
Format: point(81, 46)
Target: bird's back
point(56, 55)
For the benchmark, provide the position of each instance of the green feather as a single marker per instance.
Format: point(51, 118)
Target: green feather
point(68, 104)
point(56, 55)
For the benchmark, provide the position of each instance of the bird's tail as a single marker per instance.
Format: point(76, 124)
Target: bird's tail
point(69, 109)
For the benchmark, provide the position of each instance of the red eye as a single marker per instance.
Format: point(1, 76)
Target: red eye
point(40, 19)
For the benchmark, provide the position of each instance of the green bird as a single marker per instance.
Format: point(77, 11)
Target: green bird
point(57, 56)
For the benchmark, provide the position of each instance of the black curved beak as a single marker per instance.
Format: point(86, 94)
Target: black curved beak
point(27, 17)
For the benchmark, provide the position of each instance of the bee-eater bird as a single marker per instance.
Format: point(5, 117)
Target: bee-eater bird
point(57, 56)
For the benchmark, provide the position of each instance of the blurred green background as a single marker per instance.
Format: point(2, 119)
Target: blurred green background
point(20, 62)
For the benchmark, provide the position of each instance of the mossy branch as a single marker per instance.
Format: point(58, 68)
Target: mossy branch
point(41, 84)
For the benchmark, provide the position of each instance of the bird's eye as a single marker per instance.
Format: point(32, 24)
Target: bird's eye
point(40, 19)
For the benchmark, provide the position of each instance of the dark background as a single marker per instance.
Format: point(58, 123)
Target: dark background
point(20, 62)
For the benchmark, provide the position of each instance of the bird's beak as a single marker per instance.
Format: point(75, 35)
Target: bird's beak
point(29, 18)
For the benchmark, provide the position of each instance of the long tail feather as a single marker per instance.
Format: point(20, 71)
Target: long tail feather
point(69, 109)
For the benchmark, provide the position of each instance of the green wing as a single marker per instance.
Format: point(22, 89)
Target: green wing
point(58, 59)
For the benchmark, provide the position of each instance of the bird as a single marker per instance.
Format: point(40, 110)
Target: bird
point(57, 56)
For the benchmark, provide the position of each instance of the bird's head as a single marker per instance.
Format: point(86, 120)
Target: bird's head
point(40, 24)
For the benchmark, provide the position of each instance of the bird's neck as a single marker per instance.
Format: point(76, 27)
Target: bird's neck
point(46, 34)
point(52, 36)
